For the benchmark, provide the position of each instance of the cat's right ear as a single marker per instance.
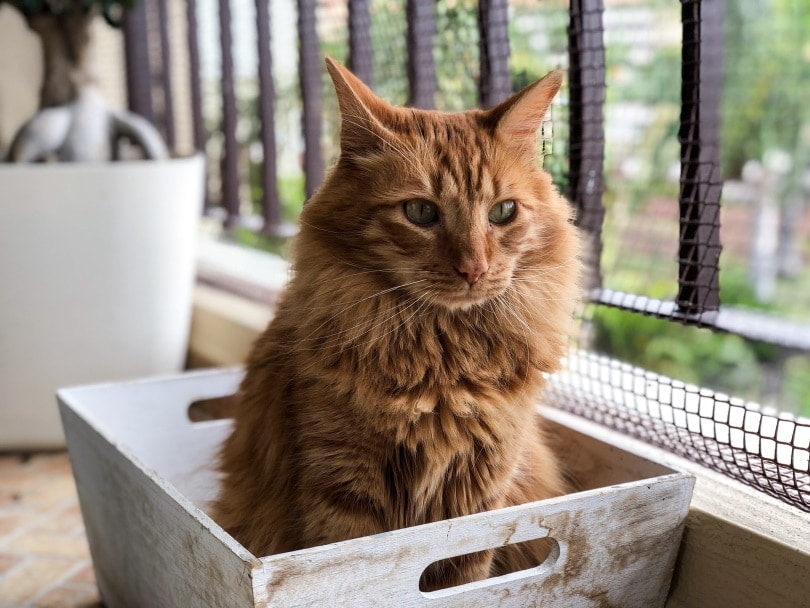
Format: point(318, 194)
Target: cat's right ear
point(519, 118)
point(361, 112)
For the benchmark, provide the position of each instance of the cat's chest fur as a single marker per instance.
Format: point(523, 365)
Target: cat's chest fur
point(435, 409)
point(390, 362)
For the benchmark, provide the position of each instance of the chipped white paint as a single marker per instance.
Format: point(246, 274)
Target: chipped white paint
point(145, 472)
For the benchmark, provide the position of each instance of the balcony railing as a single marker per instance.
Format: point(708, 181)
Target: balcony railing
point(420, 56)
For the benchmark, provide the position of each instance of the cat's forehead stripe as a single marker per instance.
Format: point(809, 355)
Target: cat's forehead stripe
point(459, 149)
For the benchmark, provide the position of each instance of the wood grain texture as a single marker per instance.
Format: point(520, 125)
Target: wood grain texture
point(145, 473)
point(723, 565)
point(617, 547)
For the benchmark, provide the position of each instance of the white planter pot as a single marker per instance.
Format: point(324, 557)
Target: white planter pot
point(96, 276)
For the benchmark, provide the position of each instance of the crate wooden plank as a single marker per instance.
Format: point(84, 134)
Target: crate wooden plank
point(617, 547)
point(150, 545)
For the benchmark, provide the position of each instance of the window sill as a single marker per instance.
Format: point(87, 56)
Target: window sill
point(234, 299)
point(741, 547)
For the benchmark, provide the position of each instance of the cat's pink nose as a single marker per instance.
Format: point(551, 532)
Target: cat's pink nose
point(472, 270)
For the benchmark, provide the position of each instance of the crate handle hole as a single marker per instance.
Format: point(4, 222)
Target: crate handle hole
point(215, 408)
point(543, 567)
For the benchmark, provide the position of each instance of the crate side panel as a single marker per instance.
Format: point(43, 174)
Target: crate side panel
point(617, 548)
point(196, 477)
point(148, 420)
point(147, 549)
point(593, 463)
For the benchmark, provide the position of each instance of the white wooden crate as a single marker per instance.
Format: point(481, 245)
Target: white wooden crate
point(145, 473)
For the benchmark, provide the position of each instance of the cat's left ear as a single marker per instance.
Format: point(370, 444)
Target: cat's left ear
point(362, 112)
point(518, 118)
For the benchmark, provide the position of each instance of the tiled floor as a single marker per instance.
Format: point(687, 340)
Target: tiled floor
point(44, 558)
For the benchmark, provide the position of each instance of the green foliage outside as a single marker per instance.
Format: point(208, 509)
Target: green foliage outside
point(291, 194)
point(768, 76)
point(456, 54)
point(538, 36)
point(723, 362)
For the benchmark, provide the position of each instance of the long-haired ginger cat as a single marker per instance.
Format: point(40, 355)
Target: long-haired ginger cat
point(435, 275)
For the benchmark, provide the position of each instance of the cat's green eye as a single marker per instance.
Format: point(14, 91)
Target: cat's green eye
point(420, 211)
point(502, 212)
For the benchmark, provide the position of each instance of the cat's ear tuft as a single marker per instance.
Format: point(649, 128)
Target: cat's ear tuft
point(518, 118)
point(352, 93)
point(360, 110)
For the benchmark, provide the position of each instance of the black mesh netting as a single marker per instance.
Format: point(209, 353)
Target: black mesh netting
point(766, 449)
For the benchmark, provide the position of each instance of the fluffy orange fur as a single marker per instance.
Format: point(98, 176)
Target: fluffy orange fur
point(397, 384)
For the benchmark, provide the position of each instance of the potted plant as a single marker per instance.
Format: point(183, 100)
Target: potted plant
point(74, 123)
point(96, 257)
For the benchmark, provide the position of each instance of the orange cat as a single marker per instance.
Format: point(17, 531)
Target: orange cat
point(435, 276)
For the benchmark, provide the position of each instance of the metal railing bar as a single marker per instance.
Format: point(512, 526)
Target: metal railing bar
point(701, 183)
point(361, 53)
point(421, 65)
point(230, 155)
point(136, 59)
point(270, 203)
point(750, 324)
point(195, 84)
point(166, 74)
point(310, 71)
point(495, 82)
